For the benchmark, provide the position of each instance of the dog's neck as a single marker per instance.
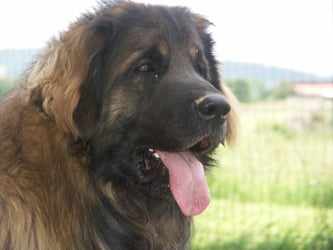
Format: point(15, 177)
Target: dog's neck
point(126, 220)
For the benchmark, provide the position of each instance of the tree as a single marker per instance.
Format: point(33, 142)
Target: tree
point(281, 90)
point(5, 85)
point(247, 90)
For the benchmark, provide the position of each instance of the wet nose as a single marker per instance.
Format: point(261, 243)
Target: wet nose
point(212, 107)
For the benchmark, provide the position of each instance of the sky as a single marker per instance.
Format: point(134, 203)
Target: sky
point(295, 34)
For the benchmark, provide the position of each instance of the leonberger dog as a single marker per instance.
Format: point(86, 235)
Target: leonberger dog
point(105, 143)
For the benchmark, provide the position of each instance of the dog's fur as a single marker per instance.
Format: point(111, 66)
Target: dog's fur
point(119, 78)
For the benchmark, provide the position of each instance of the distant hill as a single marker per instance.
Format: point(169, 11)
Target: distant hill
point(268, 75)
point(13, 63)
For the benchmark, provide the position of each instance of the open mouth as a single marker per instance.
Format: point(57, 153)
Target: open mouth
point(179, 171)
point(150, 166)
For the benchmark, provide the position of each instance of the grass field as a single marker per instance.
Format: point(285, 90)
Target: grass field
point(274, 189)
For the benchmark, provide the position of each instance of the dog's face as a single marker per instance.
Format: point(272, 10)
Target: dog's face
point(161, 81)
point(151, 106)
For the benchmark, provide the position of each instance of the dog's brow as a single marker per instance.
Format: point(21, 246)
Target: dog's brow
point(132, 57)
point(163, 49)
point(135, 55)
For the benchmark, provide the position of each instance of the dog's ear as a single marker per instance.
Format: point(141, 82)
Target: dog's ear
point(233, 122)
point(67, 80)
point(89, 108)
point(202, 25)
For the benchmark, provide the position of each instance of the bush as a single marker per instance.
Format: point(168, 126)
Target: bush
point(247, 90)
point(281, 91)
point(6, 85)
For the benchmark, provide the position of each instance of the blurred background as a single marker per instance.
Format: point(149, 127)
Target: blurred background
point(274, 188)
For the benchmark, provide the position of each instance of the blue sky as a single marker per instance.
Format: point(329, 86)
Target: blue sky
point(296, 34)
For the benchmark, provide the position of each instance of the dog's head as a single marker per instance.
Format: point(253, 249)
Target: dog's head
point(139, 85)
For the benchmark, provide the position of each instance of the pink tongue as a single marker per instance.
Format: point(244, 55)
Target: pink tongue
point(187, 181)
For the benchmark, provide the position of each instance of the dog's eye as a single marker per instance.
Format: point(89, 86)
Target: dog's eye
point(144, 68)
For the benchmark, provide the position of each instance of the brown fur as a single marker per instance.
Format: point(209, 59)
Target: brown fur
point(48, 194)
point(37, 210)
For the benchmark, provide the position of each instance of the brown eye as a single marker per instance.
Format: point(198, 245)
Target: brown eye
point(144, 68)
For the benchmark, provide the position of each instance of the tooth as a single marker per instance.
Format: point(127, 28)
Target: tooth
point(156, 155)
point(223, 142)
point(147, 165)
point(151, 150)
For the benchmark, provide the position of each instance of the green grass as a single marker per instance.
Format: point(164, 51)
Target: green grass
point(274, 189)
point(259, 226)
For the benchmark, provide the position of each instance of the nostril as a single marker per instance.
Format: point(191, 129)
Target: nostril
point(213, 106)
point(207, 110)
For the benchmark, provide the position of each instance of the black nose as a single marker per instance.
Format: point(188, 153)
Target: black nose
point(212, 106)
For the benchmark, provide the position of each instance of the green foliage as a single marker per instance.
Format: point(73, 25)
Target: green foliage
point(251, 90)
point(6, 85)
point(241, 89)
point(246, 90)
point(281, 91)
point(274, 189)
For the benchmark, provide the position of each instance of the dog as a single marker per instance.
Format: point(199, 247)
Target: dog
point(105, 143)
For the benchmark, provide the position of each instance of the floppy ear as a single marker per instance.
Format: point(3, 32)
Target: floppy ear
point(66, 81)
point(89, 108)
point(202, 25)
point(232, 122)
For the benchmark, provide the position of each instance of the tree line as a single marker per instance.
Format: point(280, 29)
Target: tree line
point(246, 90)
point(250, 90)
point(6, 84)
